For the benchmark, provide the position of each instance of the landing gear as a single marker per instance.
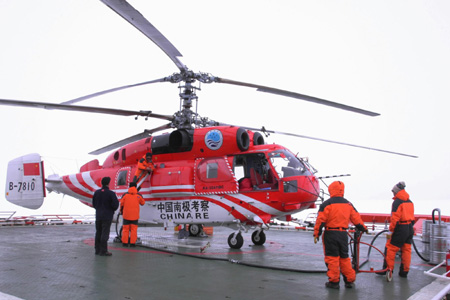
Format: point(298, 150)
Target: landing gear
point(258, 237)
point(195, 229)
point(235, 240)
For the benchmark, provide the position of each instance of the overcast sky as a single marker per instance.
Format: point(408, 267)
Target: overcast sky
point(391, 57)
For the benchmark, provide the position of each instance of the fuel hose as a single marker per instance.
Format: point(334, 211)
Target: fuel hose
point(234, 261)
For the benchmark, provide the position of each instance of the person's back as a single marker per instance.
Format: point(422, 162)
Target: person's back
point(334, 215)
point(105, 203)
point(130, 209)
point(130, 203)
point(401, 230)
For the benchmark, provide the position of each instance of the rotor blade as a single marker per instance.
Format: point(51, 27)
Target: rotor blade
point(135, 18)
point(137, 137)
point(261, 88)
point(89, 109)
point(111, 90)
point(322, 140)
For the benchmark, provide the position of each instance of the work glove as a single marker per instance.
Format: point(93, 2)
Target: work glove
point(366, 231)
point(316, 238)
point(388, 235)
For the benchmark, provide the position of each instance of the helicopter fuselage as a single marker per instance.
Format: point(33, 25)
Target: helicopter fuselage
point(216, 176)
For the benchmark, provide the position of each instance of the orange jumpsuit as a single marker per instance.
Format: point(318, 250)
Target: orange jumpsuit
point(142, 167)
point(129, 207)
point(335, 214)
point(401, 226)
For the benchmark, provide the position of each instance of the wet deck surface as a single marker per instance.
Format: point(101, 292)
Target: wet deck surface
point(58, 262)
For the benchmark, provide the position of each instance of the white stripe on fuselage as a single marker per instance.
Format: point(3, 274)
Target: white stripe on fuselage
point(258, 204)
point(89, 181)
point(76, 183)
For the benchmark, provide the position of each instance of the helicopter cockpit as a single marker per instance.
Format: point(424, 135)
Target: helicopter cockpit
point(257, 171)
point(287, 165)
point(254, 172)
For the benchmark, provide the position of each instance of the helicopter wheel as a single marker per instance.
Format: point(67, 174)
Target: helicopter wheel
point(195, 229)
point(235, 241)
point(258, 239)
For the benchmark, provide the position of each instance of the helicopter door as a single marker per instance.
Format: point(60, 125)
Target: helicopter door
point(122, 180)
point(214, 176)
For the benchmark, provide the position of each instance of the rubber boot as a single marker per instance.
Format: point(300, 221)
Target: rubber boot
point(402, 273)
point(349, 285)
point(332, 285)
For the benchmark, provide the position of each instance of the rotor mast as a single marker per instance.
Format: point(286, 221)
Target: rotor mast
point(185, 118)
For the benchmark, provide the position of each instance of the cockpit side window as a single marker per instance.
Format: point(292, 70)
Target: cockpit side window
point(256, 169)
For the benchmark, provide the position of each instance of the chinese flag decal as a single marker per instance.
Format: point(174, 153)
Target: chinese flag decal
point(31, 169)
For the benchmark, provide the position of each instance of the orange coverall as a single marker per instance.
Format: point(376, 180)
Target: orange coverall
point(335, 214)
point(129, 207)
point(142, 167)
point(401, 226)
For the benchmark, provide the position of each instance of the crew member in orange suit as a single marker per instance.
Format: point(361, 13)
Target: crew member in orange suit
point(129, 208)
point(401, 229)
point(144, 166)
point(334, 215)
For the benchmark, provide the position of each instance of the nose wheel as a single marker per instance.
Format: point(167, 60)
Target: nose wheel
point(235, 240)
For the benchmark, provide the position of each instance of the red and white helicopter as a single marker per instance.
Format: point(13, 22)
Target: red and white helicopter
point(207, 172)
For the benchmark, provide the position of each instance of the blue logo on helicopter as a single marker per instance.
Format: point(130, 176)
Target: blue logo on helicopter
point(214, 139)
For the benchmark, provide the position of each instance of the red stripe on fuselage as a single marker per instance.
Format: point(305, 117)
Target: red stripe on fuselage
point(74, 189)
point(232, 211)
point(153, 192)
point(83, 182)
point(248, 206)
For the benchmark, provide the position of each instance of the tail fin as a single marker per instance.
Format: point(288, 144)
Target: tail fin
point(25, 183)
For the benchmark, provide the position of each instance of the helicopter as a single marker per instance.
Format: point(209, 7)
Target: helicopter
point(207, 172)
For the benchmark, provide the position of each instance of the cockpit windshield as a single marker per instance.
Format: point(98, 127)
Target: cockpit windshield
point(287, 165)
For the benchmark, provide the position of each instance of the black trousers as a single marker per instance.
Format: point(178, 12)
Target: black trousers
point(102, 229)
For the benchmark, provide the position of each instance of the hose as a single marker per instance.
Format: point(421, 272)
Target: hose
point(236, 261)
point(383, 231)
point(418, 253)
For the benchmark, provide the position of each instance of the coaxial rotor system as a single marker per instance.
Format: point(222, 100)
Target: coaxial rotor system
point(186, 79)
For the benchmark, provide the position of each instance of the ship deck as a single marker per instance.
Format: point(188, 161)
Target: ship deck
point(58, 262)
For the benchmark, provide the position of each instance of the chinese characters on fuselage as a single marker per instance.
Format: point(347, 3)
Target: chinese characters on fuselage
point(176, 210)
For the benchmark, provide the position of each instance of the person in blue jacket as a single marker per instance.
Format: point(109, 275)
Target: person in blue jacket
point(105, 203)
